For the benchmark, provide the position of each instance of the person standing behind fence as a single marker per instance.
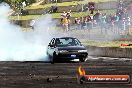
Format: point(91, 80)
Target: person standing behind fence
point(32, 23)
point(64, 14)
point(23, 5)
point(103, 21)
point(65, 23)
point(97, 16)
point(116, 19)
point(68, 15)
point(78, 23)
point(91, 7)
point(66, 20)
point(84, 23)
point(89, 22)
point(128, 24)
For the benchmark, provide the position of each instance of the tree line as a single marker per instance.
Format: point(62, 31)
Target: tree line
point(17, 4)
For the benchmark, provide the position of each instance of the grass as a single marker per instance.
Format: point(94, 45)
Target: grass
point(58, 4)
point(58, 15)
point(65, 4)
point(27, 17)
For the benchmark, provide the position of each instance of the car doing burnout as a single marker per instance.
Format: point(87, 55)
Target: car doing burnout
point(66, 48)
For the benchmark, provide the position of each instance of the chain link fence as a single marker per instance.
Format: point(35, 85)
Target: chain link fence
point(99, 19)
point(108, 18)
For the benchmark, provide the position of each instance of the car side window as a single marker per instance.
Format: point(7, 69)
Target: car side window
point(77, 42)
point(52, 41)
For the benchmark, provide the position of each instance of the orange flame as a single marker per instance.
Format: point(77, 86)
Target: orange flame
point(81, 71)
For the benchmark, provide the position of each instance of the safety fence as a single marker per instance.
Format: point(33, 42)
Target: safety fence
point(107, 17)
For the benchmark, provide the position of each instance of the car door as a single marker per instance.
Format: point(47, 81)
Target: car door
point(51, 47)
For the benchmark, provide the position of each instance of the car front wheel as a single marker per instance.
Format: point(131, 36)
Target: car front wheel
point(53, 58)
point(82, 59)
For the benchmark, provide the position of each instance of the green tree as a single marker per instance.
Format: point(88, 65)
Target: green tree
point(17, 4)
point(1, 1)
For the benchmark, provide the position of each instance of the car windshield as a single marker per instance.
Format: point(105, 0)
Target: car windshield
point(67, 42)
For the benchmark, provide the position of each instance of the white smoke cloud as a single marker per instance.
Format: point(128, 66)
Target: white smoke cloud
point(16, 45)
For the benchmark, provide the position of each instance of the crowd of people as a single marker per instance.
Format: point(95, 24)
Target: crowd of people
point(120, 19)
point(104, 20)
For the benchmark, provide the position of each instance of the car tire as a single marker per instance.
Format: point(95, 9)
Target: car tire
point(53, 58)
point(82, 59)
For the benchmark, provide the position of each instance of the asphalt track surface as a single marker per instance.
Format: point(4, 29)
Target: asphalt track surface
point(61, 75)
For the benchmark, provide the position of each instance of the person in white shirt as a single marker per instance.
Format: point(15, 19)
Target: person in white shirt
point(23, 4)
point(32, 24)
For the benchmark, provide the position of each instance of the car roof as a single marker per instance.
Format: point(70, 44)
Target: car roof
point(66, 37)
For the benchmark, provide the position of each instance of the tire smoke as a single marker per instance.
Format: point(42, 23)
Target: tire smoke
point(16, 45)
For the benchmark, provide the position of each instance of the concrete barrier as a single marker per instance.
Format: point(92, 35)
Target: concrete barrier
point(110, 51)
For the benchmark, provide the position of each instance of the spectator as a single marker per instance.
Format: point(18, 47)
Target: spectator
point(116, 17)
point(84, 23)
point(91, 7)
point(119, 15)
point(23, 5)
point(24, 12)
point(129, 21)
point(53, 1)
point(32, 24)
point(88, 18)
point(78, 23)
point(75, 21)
point(66, 20)
point(96, 16)
point(65, 23)
point(121, 4)
point(124, 21)
point(109, 20)
point(85, 8)
point(64, 14)
point(103, 18)
point(68, 14)
point(128, 24)
point(53, 9)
